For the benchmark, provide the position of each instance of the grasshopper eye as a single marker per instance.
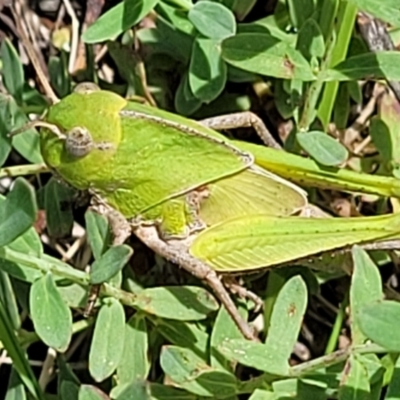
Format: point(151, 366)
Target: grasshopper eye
point(86, 88)
point(78, 142)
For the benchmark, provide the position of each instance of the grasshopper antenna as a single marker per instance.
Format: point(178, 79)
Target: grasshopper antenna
point(33, 57)
point(38, 123)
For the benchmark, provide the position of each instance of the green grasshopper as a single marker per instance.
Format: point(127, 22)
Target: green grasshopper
point(198, 199)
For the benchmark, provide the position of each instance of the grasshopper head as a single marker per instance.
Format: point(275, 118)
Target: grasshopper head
point(80, 133)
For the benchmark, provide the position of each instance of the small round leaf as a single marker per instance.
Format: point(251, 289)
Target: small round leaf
point(108, 340)
point(323, 148)
point(379, 322)
point(212, 19)
point(50, 315)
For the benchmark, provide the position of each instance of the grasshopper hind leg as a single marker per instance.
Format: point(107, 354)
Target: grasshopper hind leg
point(178, 253)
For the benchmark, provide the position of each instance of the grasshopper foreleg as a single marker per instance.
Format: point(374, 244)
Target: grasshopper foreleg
point(242, 120)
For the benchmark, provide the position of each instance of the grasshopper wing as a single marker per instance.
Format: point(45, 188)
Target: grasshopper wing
point(258, 241)
point(253, 191)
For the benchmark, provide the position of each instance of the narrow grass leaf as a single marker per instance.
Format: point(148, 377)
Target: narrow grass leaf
point(21, 364)
point(108, 340)
point(51, 316)
point(7, 297)
point(15, 389)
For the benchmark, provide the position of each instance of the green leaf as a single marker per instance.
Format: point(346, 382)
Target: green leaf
point(13, 73)
point(15, 389)
point(310, 41)
point(184, 334)
point(58, 200)
point(28, 243)
point(117, 20)
point(98, 231)
point(379, 65)
point(134, 364)
point(185, 102)
point(190, 372)
point(110, 263)
point(354, 380)
point(224, 329)
point(166, 39)
point(263, 54)
point(261, 394)
point(68, 383)
point(14, 350)
point(50, 315)
point(323, 148)
point(7, 297)
point(138, 390)
point(287, 315)
point(17, 212)
point(385, 133)
point(377, 322)
point(393, 390)
point(207, 70)
point(299, 11)
point(252, 354)
point(183, 303)
point(5, 141)
point(163, 392)
point(69, 390)
point(26, 143)
point(74, 295)
point(28, 266)
point(387, 11)
point(58, 71)
point(286, 319)
point(108, 340)
point(305, 388)
point(213, 20)
point(366, 288)
point(89, 392)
